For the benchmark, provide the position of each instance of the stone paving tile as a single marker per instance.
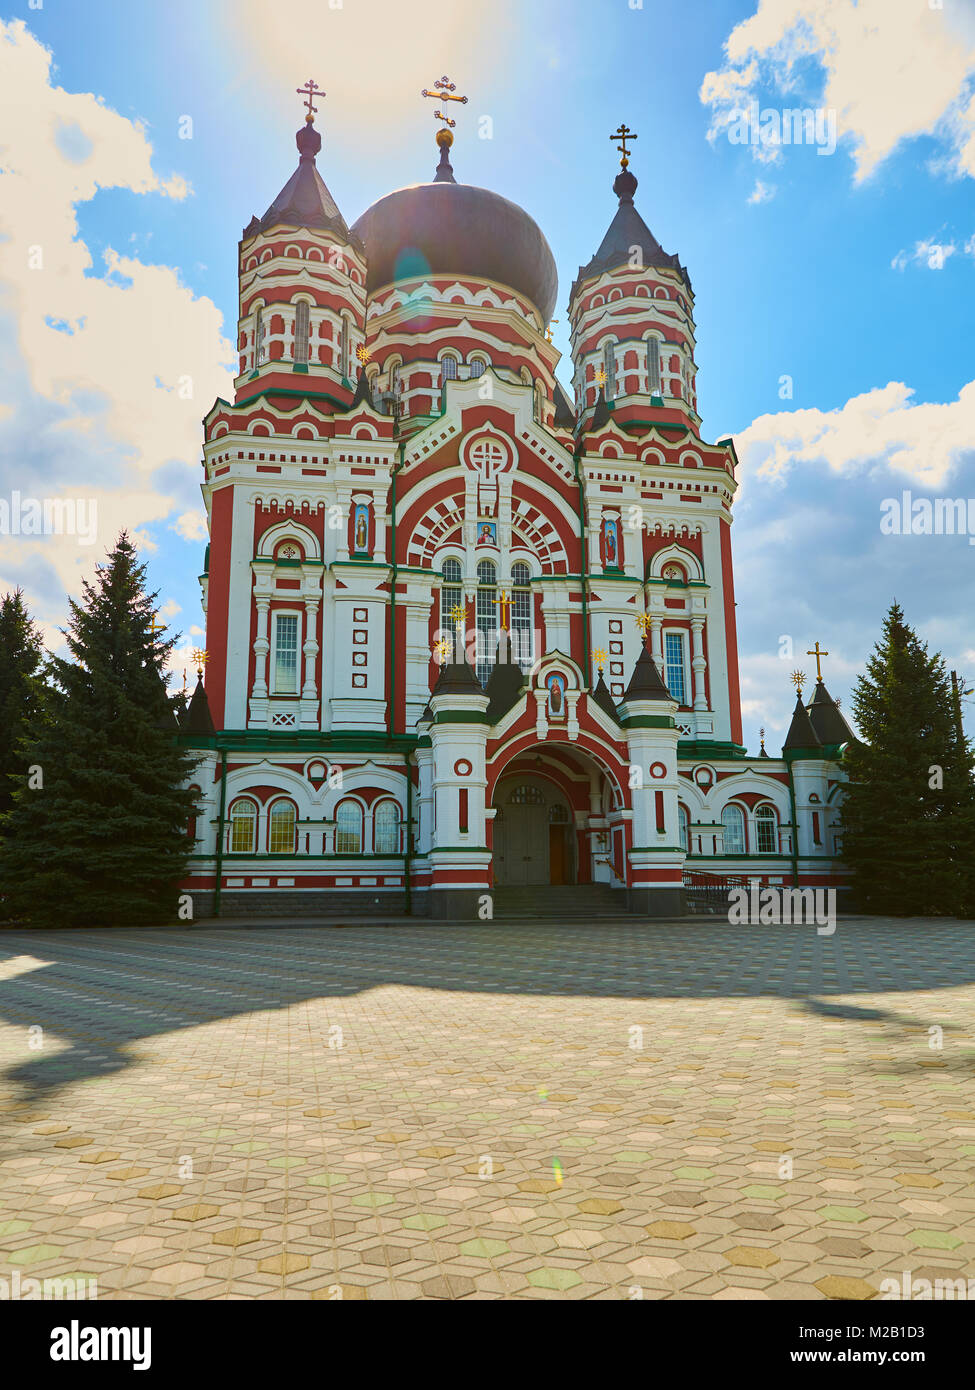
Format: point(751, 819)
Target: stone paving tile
point(430, 1112)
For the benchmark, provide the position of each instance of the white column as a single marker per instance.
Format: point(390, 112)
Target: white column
point(656, 642)
point(261, 649)
point(310, 649)
point(698, 664)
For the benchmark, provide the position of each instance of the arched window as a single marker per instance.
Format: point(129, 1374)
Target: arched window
point(451, 597)
point(766, 830)
point(653, 366)
point(522, 626)
point(609, 367)
point(487, 619)
point(558, 814)
point(301, 330)
point(281, 828)
point(259, 338)
point(734, 830)
point(348, 828)
point(477, 366)
point(526, 795)
point(537, 399)
point(243, 827)
point(448, 369)
point(684, 827)
point(394, 376)
point(385, 834)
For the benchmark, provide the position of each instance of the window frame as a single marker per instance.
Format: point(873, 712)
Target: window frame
point(233, 821)
point(396, 828)
point(279, 803)
point(276, 617)
point(351, 802)
point(681, 634)
point(766, 816)
point(738, 811)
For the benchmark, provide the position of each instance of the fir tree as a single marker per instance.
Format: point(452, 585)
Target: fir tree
point(102, 839)
point(21, 688)
point(910, 794)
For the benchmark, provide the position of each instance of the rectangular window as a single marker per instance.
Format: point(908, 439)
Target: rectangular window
point(487, 634)
point(674, 658)
point(301, 331)
point(259, 338)
point(653, 366)
point(286, 654)
point(522, 629)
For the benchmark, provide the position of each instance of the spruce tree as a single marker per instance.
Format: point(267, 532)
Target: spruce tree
point(97, 836)
point(910, 791)
point(21, 689)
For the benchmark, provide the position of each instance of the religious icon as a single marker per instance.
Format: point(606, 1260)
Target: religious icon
point(610, 543)
point(487, 533)
point(362, 526)
point(556, 696)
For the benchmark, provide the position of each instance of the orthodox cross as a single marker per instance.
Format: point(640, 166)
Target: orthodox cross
point(459, 614)
point(761, 734)
point(505, 605)
point(201, 657)
point(798, 679)
point(309, 91)
point(817, 654)
point(156, 626)
point(443, 649)
point(599, 657)
point(601, 377)
point(623, 135)
point(443, 91)
point(644, 622)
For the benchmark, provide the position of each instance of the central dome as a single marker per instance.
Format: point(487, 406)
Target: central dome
point(447, 228)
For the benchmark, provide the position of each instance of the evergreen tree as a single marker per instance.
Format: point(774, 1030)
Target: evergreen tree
point(909, 803)
point(101, 838)
point(21, 687)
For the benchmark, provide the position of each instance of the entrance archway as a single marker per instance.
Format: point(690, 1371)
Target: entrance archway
point(534, 841)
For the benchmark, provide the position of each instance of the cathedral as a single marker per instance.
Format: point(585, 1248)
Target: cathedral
point(469, 634)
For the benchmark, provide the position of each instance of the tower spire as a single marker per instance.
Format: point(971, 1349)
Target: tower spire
point(443, 90)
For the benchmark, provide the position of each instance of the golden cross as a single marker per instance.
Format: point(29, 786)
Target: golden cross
point(443, 91)
point(601, 377)
point(459, 614)
point(623, 135)
point(443, 649)
point(184, 680)
point(599, 657)
point(310, 90)
point(761, 735)
point(817, 654)
point(156, 626)
point(798, 680)
point(505, 614)
point(201, 657)
point(548, 331)
point(644, 623)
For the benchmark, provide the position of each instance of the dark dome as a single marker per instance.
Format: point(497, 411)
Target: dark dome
point(457, 229)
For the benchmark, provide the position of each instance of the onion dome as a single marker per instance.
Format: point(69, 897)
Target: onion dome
point(449, 228)
point(626, 231)
point(304, 201)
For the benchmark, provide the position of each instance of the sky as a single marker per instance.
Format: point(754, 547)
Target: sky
point(833, 277)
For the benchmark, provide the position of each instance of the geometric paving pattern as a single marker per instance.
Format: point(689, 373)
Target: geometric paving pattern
point(613, 1110)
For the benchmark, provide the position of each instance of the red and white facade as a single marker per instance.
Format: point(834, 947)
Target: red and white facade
point(349, 518)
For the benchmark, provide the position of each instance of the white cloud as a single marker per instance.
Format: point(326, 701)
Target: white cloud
point(105, 370)
point(930, 254)
point(891, 71)
point(762, 192)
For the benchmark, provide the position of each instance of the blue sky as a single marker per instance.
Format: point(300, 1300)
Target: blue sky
point(852, 274)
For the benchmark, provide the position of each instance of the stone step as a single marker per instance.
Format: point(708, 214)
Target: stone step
point(584, 900)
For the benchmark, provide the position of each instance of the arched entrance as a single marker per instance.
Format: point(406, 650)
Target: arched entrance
point(534, 840)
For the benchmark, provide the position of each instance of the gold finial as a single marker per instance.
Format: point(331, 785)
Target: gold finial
point(201, 656)
point(601, 377)
point(798, 679)
point(599, 657)
point(458, 614)
point(443, 91)
point(505, 614)
point(156, 626)
point(363, 353)
point(623, 135)
point(644, 623)
point(761, 734)
point(184, 680)
point(309, 91)
point(443, 649)
point(817, 654)
point(548, 331)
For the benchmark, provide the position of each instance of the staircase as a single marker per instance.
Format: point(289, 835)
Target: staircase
point(577, 902)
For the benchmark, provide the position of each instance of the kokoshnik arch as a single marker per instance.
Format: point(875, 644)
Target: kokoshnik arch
point(463, 632)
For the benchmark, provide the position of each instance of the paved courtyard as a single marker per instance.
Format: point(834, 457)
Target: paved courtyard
point(546, 1112)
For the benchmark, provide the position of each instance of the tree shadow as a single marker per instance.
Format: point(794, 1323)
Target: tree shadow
point(97, 994)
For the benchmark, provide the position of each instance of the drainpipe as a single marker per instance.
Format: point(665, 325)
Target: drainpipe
point(408, 861)
point(584, 573)
point(220, 826)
